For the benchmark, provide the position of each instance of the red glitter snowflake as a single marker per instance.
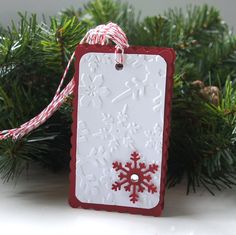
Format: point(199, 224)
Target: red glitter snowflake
point(135, 177)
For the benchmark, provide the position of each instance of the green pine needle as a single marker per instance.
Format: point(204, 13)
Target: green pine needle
point(33, 56)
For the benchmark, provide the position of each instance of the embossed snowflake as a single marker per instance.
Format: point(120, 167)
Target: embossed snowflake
point(92, 90)
point(135, 177)
point(83, 131)
point(153, 138)
point(97, 155)
point(135, 87)
point(93, 63)
point(157, 99)
point(87, 183)
point(118, 130)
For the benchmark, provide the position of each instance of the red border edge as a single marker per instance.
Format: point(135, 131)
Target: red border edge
point(169, 55)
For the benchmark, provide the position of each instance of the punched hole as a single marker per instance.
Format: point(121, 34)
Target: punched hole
point(119, 66)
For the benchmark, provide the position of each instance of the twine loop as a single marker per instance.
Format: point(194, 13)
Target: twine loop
point(102, 35)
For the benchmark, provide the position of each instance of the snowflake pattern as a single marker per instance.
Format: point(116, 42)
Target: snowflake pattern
point(83, 131)
point(97, 155)
point(93, 63)
point(100, 170)
point(92, 91)
point(138, 61)
point(135, 90)
point(154, 138)
point(118, 131)
point(135, 177)
point(135, 86)
point(107, 178)
point(88, 183)
point(157, 99)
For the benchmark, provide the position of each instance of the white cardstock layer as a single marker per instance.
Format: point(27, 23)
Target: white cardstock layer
point(119, 111)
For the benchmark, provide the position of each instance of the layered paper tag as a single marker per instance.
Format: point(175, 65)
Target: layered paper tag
point(120, 128)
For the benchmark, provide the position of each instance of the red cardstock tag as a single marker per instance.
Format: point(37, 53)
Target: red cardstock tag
point(120, 130)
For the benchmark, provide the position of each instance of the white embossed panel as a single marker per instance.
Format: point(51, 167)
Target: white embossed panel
point(119, 112)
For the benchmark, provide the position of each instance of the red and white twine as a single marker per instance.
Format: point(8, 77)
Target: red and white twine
point(102, 35)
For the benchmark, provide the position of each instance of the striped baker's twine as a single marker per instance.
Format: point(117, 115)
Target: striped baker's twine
point(102, 35)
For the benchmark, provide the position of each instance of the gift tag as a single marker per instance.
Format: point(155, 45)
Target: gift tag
point(120, 128)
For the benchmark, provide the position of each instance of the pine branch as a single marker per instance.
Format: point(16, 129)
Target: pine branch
point(25, 90)
point(40, 146)
point(33, 56)
point(59, 41)
point(206, 147)
point(104, 11)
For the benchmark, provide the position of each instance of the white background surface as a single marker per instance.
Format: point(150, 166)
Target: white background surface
point(9, 8)
point(37, 204)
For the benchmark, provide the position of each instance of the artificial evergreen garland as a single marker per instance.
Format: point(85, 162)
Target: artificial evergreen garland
point(33, 56)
